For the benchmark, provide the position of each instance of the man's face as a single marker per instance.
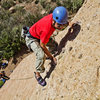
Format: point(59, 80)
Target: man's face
point(60, 26)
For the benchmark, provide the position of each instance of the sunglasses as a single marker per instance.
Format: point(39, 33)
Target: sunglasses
point(62, 25)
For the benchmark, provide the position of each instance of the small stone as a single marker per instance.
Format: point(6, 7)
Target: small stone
point(36, 93)
point(63, 50)
point(80, 56)
point(97, 99)
point(11, 71)
point(88, 26)
point(70, 67)
point(44, 89)
point(62, 96)
point(96, 59)
point(66, 86)
point(73, 55)
point(70, 48)
point(61, 81)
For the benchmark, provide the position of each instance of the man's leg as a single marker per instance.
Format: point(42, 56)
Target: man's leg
point(40, 57)
point(34, 45)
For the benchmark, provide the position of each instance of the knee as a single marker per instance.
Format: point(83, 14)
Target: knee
point(40, 54)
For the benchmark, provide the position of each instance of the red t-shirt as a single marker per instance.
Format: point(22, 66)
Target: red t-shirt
point(43, 29)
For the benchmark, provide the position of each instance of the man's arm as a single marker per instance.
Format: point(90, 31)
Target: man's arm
point(47, 52)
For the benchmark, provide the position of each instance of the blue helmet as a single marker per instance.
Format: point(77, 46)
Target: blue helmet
point(60, 15)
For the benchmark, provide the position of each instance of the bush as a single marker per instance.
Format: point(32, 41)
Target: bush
point(6, 4)
point(27, 1)
point(10, 30)
point(43, 3)
point(9, 42)
point(30, 19)
point(76, 4)
point(71, 5)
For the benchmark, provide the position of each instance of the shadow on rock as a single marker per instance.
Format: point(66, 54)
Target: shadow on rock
point(52, 46)
point(50, 70)
point(71, 35)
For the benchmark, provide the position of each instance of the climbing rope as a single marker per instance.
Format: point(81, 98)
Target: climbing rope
point(22, 78)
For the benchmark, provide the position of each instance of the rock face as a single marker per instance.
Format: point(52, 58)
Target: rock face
point(77, 74)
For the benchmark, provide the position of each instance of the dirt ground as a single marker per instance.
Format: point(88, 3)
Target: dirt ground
point(13, 62)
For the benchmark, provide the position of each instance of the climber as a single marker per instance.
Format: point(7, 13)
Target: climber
point(38, 36)
point(3, 78)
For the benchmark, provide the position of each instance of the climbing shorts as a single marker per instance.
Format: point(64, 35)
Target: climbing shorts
point(34, 45)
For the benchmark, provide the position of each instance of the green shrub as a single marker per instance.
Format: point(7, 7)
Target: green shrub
point(10, 30)
point(43, 3)
point(53, 0)
point(9, 42)
point(71, 5)
point(4, 15)
point(31, 19)
point(27, 1)
point(6, 4)
point(76, 4)
point(9, 35)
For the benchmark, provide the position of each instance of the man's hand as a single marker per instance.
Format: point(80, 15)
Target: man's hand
point(72, 24)
point(48, 53)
